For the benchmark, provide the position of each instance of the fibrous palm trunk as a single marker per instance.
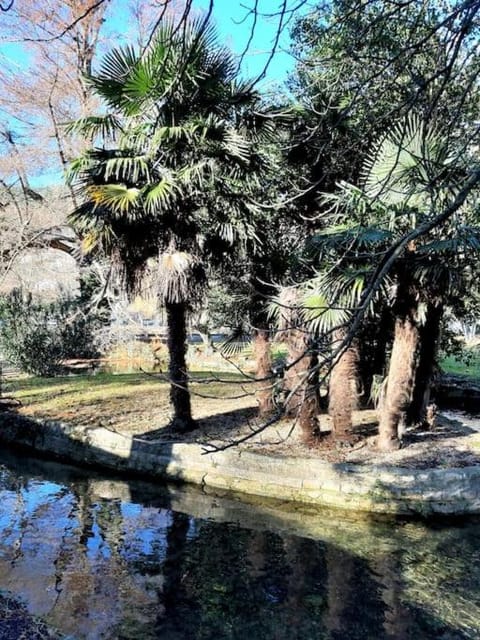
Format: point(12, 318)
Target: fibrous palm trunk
point(177, 348)
point(301, 384)
point(401, 378)
point(263, 362)
point(429, 339)
point(343, 390)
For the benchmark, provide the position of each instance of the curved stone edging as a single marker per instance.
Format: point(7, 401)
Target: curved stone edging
point(305, 480)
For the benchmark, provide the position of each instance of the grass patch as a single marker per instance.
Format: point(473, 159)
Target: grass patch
point(133, 402)
point(470, 367)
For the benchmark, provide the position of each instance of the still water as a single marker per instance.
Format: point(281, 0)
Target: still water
point(86, 556)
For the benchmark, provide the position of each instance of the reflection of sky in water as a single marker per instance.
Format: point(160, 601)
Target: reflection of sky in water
point(101, 568)
point(96, 545)
point(145, 531)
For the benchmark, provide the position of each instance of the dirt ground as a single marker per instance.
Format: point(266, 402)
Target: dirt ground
point(453, 442)
point(138, 405)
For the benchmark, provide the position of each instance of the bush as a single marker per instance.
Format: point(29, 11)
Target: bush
point(37, 336)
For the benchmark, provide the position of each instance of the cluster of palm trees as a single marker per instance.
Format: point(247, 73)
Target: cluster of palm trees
point(174, 172)
point(412, 174)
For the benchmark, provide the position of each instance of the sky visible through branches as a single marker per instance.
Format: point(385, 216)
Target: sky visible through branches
point(249, 28)
point(256, 30)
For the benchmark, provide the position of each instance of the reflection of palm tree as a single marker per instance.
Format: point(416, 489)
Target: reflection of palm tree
point(180, 160)
point(340, 577)
point(389, 576)
point(173, 569)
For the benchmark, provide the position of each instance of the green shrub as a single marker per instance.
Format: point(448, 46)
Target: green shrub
point(37, 336)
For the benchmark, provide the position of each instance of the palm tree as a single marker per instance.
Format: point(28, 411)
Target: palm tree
point(414, 174)
point(327, 301)
point(171, 169)
point(300, 376)
point(410, 175)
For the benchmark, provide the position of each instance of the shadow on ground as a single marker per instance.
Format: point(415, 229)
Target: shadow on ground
point(217, 426)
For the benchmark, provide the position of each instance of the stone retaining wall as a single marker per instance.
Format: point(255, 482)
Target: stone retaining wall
point(304, 480)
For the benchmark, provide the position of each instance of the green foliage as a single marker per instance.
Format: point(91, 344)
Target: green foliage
point(361, 68)
point(466, 362)
point(408, 176)
point(182, 157)
point(37, 336)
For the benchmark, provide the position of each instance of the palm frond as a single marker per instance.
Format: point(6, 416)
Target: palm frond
point(106, 127)
point(463, 239)
point(77, 168)
point(237, 343)
point(348, 236)
point(118, 198)
point(320, 316)
point(115, 71)
point(160, 196)
point(173, 134)
point(235, 145)
point(403, 165)
point(127, 168)
point(196, 174)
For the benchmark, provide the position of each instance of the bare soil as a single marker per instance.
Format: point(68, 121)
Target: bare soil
point(454, 441)
point(138, 405)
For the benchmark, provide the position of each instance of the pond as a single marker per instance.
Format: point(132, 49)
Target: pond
point(88, 556)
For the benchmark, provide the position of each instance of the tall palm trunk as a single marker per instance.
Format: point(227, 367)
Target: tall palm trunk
point(429, 339)
point(401, 373)
point(263, 362)
point(343, 392)
point(373, 341)
point(177, 349)
point(260, 294)
point(301, 384)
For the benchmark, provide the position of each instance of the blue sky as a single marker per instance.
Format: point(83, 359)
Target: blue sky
point(235, 24)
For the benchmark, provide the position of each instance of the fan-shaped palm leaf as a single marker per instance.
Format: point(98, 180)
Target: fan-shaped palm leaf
point(160, 196)
point(320, 316)
point(120, 199)
point(404, 165)
point(237, 343)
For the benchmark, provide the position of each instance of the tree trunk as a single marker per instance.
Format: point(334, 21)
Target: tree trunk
point(373, 341)
point(301, 386)
point(343, 390)
point(429, 338)
point(206, 340)
point(263, 367)
point(177, 369)
point(401, 379)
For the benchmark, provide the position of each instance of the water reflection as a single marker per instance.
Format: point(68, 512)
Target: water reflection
point(95, 558)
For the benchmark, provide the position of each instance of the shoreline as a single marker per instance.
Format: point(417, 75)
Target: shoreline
point(367, 488)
